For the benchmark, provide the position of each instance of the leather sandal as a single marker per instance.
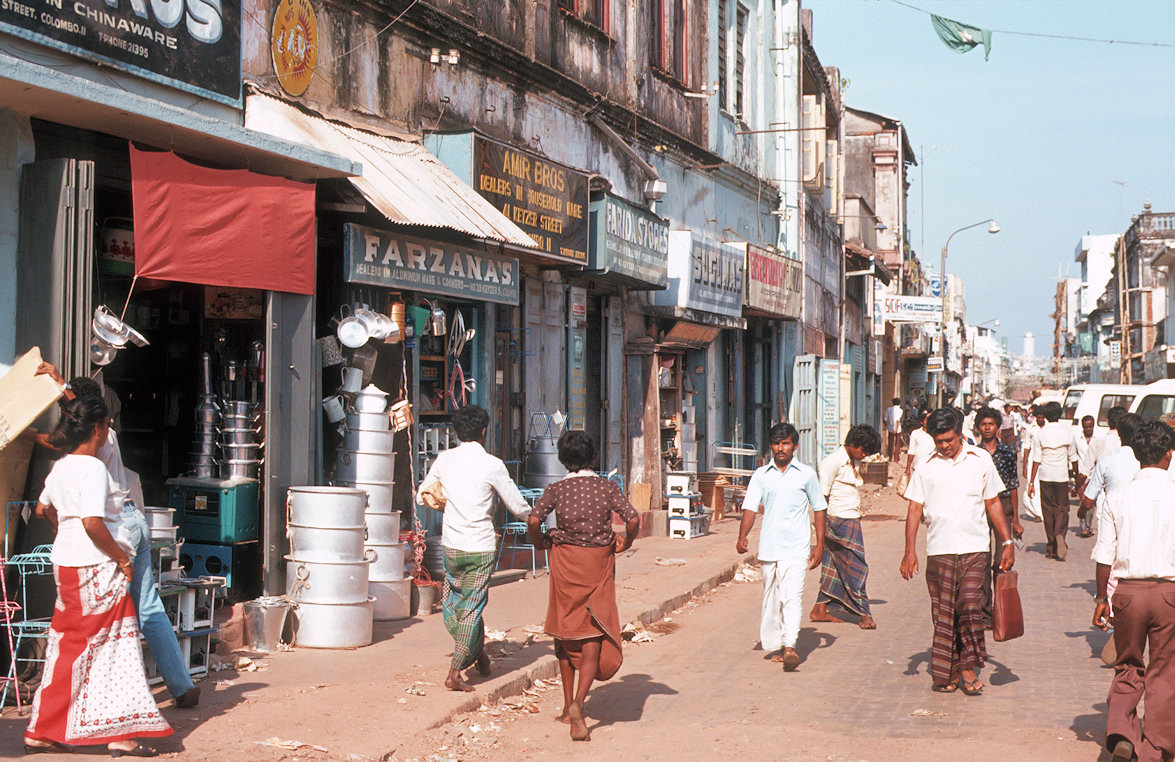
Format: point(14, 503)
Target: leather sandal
point(139, 751)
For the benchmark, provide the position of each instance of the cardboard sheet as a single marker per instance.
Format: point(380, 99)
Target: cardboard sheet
point(24, 396)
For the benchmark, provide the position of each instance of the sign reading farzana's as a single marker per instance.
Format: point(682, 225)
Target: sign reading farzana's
point(396, 261)
point(194, 45)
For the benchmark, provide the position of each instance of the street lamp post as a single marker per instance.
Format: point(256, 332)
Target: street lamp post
point(992, 227)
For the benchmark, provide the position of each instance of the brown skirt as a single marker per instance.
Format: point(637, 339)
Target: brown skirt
point(582, 605)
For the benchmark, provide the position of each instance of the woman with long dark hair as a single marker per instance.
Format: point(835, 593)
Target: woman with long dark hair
point(581, 609)
point(93, 690)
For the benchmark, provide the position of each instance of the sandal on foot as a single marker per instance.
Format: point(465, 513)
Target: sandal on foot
point(139, 751)
point(52, 747)
point(973, 688)
point(947, 688)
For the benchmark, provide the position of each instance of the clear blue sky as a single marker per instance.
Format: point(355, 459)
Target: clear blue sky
point(1035, 137)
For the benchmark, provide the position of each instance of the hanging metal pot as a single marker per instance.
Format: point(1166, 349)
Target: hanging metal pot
point(101, 353)
point(352, 331)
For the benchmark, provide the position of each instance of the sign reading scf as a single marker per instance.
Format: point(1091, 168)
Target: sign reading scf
point(910, 309)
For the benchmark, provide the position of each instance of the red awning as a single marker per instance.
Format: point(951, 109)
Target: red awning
point(221, 227)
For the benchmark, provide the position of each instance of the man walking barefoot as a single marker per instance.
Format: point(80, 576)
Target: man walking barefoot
point(954, 489)
point(470, 478)
point(1136, 532)
point(1004, 458)
point(784, 491)
point(843, 570)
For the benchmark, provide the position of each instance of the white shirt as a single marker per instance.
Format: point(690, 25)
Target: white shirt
point(1053, 448)
point(470, 477)
point(1085, 459)
point(1112, 475)
point(79, 487)
point(784, 497)
point(1136, 529)
point(893, 419)
point(921, 446)
point(1106, 444)
point(839, 482)
point(952, 494)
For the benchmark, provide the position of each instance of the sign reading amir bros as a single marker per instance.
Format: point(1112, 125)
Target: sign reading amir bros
point(194, 45)
point(397, 261)
point(549, 201)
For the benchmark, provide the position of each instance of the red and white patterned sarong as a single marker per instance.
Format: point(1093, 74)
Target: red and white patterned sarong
point(94, 690)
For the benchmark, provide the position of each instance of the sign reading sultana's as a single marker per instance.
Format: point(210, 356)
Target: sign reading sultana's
point(549, 201)
point(397, 261)
point(194, 45)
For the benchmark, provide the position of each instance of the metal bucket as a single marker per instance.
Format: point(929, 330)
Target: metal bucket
point(393, 599)
point(366, 466)
point(333, 625)
point(379, 494)
point(382, 528)
point(326, 506)
point(326, 543)
point(542, 463)
point(387, 561)
point(326, 581)
point(434, 557)
point(265, 620)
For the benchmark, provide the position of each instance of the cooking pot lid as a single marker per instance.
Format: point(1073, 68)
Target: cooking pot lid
point(374, 390)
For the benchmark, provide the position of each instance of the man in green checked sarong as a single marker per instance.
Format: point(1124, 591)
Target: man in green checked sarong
point(469, 478)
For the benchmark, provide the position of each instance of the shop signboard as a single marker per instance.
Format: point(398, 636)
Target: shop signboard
point(910, 309)
point(193, 45)
point(629, 241)
point(547, 200)
point(775, 284)
point(704, 275)
point(391, 260)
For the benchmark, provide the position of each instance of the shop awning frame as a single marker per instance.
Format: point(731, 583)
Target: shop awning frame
point(400, 178)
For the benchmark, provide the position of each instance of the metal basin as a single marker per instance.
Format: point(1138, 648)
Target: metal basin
point(387, 561)
point(326, 506)
point(326, 581)
point(159, 517)
point(326, 544)
point(382, 528)
point(164, 533)
point(379, 494)
point(333, 625)
point(365, 466)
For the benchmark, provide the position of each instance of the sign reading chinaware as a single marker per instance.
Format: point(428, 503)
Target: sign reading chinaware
point(380, 258)
point(547, 200)
point(193, 45)
point(629, 241)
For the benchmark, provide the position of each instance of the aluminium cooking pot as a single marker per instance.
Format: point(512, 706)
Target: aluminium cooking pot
point(327, 581)
point(358, 466)
point(205, 449)
point(159, 517)
point(326, 543)
point(379, 494)
point(366, 440)
point(241, 452)
point(387, 561)
point(368, 421)
point(371, 400)
point(239, 469)
point(393, 600)
point(333, 625)
point(238, 436)
point(325, 506)
point(382, 528)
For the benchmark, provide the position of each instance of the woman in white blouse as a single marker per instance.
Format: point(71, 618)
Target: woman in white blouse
point(93, 691)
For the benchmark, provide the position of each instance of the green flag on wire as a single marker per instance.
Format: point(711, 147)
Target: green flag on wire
point(961, 37)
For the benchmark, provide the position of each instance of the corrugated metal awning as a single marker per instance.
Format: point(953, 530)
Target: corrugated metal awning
point(405, 182)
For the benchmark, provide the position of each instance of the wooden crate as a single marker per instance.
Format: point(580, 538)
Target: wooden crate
point(875, 473)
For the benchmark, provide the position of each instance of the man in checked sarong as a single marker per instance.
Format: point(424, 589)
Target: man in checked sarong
point(843, 569)
point(954, 489)
point(469, 478)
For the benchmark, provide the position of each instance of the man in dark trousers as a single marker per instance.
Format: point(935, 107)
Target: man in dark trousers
point(1136, 532)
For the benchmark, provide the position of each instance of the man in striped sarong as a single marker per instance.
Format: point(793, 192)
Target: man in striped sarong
point(843, 570)
point(957, 490)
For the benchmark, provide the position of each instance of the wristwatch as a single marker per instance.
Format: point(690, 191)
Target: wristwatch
point(1008, 542)
point(1101, 600)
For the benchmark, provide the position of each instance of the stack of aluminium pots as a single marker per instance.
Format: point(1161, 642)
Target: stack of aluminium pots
point(328, 568)
point(367, 461)
point(202, 462)
point(240, 440)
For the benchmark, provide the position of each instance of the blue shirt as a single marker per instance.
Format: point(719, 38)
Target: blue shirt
point(784, 497)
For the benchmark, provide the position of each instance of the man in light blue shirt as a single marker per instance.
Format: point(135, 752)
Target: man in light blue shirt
point(784, 491)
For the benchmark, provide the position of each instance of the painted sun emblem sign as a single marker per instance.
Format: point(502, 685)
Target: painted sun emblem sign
point(294, 43)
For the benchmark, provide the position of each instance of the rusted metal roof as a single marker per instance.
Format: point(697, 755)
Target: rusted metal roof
point(401, 179)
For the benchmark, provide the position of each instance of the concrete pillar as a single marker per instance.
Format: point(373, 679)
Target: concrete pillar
point(16, 149)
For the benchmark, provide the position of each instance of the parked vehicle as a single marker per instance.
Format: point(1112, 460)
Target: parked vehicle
point(1156, 402)
point(1096, 400)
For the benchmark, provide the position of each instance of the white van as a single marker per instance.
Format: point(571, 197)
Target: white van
point(1156, 402)
point(1096, 400)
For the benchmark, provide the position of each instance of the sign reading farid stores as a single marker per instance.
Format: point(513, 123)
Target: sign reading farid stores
point(194, 45)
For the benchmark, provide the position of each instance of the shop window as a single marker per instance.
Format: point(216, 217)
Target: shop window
point(740, 31)
point(594, 12)
point(668, 38)
point(723, 90)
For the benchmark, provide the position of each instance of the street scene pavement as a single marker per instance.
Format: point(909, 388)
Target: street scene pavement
point(694, 683)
